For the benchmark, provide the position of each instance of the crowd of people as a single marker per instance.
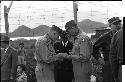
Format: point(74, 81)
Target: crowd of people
point(66, 55)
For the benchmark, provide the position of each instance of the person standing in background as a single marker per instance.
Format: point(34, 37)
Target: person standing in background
point(8, 60)
point(116, 55)
point(103, 42)
point(21, 54)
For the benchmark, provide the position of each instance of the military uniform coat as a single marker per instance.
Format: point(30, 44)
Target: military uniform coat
point(82, 66)
point(44, 52)
point(8, 68)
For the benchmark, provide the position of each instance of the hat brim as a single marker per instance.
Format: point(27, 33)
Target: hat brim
point(114, 22)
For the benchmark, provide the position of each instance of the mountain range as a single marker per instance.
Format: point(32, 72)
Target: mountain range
point(86, 25)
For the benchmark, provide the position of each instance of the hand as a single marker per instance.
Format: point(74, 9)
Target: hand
point(53, 58)
point(73, 57)
point(62, 55)
point(71, 53)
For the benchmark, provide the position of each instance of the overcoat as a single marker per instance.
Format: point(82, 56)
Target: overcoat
point(8, 63)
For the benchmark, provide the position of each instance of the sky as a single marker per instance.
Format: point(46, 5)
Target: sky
point(35, 13)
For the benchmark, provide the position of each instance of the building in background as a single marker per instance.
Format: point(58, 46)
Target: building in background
point(99, 31)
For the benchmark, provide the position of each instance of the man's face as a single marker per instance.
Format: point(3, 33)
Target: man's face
point(19, 69)
point(72, 30)
point(21, 46)
point(116, 26)
point(54, 35)
point(71, 39)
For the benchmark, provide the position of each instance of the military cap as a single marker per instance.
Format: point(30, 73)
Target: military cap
point(114, 20)
point(70, 24)
point(4, 38)
point(57, 29)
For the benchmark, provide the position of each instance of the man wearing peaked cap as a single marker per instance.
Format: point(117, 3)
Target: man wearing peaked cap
point(114, 20)
point(104, 42)
point(8, 60)
point(81, 52)
point(71, 28)
point(114, 24)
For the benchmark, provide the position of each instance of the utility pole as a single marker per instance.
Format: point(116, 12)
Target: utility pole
point(6, 12)
point(75, 9)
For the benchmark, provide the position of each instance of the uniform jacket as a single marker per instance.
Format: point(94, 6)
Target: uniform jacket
point(104, 43)
point(82, 47)
point(45, 58)
point(8, 68)
point(44, 49)
point(116, 53)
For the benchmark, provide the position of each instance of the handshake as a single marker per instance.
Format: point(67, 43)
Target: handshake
point(62, 55)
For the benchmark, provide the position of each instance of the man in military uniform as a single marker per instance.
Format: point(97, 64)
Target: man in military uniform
point(45, 55)
point(104, 43)
point(116, 55)
point(8, 60)
point(81, 52)
point(63, 68)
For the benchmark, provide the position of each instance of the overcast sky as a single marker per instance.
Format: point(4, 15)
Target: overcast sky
point(35, 13)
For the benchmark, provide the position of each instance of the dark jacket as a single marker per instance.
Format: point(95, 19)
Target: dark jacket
point(59, 48)
point(63, 70)
point(8, 68)
point(116, 53)
point(104, 43)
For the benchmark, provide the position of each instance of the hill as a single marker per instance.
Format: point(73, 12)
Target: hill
point(89, 26)
point(86, 25)
point(41, 30)
point(24, 31)
point(21, 32)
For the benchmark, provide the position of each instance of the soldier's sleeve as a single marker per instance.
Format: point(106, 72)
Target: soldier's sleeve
point(14, 62)
point(41, 51)
point(96, 47)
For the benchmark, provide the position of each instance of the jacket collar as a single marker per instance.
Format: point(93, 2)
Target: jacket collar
point(8, 50)
point(65, 44)
point(49, 40)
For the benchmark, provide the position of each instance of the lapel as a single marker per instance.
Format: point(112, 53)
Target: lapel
point(5, 55)
point(63, 44)
point(66, 44)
